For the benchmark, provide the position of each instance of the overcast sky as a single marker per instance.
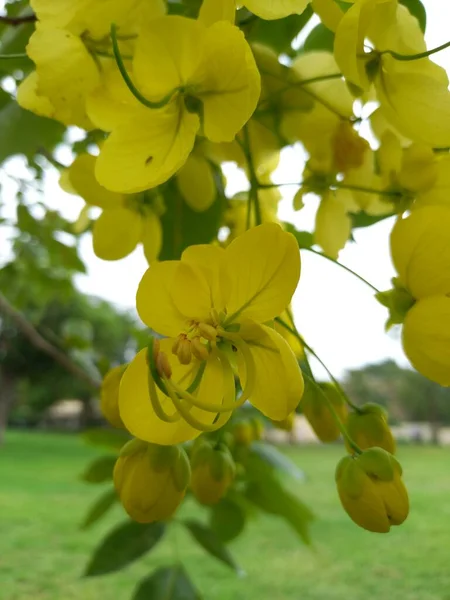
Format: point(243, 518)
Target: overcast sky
point(335, 312)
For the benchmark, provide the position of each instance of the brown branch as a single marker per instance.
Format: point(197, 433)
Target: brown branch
point(29, 331)
point(16, 21)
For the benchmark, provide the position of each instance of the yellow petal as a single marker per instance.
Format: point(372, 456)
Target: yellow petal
point(152, 236)
point(212, 11)
point(278, 382)
point(417, 104)
point(440, 191)
point(329, 13)
point(333, 226)
point(421, 252)
point(81, 175)
point(191, 292)
point(148, 149)
point(116, 233)
point(276, 9)
point(228, 81)
point(264, 266)
point(66, 71)
point(154, 301)
point(28, 98)
point(195, 181)
point(136, 409)
point(426, 338)
point(419, 170)
point(209, 259)
point(157, 70)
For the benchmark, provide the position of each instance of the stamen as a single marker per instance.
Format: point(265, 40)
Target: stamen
point(156, 405)
point(199, 350)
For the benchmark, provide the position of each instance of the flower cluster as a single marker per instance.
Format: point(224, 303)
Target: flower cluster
point(168, 99)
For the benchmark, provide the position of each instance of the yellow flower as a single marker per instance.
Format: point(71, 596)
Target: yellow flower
point(413, 94)
point(213, 84)
point(125, 221)
point(151, 480)
point(368, 427)
point(213, 471)
point(109, 396)
point(421, 256)
point(213, 305)
point(372, 491)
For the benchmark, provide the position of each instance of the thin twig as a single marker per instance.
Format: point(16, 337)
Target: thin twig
point(16, 21)
point(30, 332)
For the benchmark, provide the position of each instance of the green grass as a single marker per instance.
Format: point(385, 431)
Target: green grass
point(42, 553)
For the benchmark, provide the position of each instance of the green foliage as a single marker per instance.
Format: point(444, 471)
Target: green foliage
point(167, 583)
point(227, 519)
point(99, 508)
point(320, 38)
point(106, 438)
point(123, 545)
point(279, 34)
point(417, 9)
point(210, 542)
point(100, 470)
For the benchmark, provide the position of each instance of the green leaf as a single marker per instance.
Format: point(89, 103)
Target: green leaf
point(320, 38)
point(227, 520)
point(206, 537)
point(25, 133)
point(100, 470)
point(417, 9)
point(270, 496)
point(279, 34)
point(183, 226)
point(106, 438)
point(270, 456)
point(124, 545)
point(167, 583)
point(362, 219)
point(305, 239)
point(26, 222)
point(65, 256)
point(99, 508)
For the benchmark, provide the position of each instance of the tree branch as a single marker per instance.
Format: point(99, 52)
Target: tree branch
point(16, 21)
point(29, 331)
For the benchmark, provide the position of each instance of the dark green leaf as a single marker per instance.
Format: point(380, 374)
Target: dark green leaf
point(99, 508)
point(167, 583)
point(270, 496)
point(25, 133)
point(123, 545)
point(417, 9)
point(269, 455)
point(362, 219)
point(183, 226)
point(305, 239)
point(26, 222)
point(227, 520)
point(13, 40)
point(100, 470)
point(320, 38)
point(66, 256)
point(279, 34)
point(210, 542)
point(106, 438)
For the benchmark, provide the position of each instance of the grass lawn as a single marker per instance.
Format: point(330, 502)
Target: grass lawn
point(42, 553)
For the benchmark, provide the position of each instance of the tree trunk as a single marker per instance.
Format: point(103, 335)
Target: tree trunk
point(7, 397)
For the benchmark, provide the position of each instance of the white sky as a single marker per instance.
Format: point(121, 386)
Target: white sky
point(335, 312)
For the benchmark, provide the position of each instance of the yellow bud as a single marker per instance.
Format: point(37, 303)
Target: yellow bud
point(316, 410)
point(151, 480)
point(213, 471)
point(243, 433)
point(369, 428)
point(109, 396)
point(372, 491)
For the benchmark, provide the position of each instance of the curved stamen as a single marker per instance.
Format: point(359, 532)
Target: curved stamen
point(156, 405)
point(249, 362)
point(127, 79)
point(190, 420)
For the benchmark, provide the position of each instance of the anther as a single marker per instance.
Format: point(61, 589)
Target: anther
point(208, 331)
point(199, 350)
point(163, 365)
point(184, 351)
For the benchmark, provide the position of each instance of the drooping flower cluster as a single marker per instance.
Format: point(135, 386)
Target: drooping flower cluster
point(168, 99)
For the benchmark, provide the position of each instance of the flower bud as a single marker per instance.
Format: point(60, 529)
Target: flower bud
point(151, 480)
point(243, 433)
point(372, 491)
point(213, 471)
point(369, 428)
point(316, 410)
point(109, 396)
